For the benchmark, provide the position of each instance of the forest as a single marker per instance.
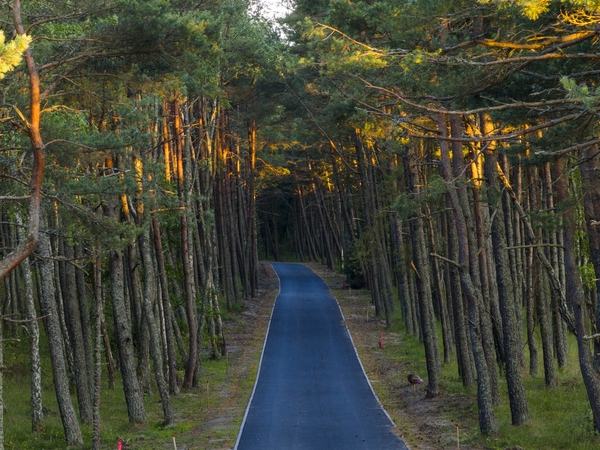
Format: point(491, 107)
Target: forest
point(442, 154)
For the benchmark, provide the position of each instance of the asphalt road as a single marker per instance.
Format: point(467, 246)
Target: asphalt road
point(311, 391)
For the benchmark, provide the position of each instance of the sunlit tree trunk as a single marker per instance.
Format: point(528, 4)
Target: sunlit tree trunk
point(33, 124)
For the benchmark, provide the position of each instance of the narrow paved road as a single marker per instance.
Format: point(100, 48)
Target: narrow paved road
point(311, 391)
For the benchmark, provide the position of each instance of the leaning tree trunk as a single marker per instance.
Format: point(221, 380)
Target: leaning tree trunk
point(55, 342)
point(131, 386)
point(28, 244)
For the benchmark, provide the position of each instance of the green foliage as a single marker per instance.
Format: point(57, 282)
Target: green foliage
point(407, 205)
point(582, 93)
point(352, 268)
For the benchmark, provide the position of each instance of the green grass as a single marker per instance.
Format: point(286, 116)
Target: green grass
point(189, 407)
point(561, 417)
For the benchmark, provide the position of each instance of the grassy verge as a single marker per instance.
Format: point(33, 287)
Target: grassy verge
point(560, 417)
point(207, 417)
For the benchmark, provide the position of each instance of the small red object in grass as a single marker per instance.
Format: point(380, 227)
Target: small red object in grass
point(457, 437)
point(120, 445)
point(381, 343)
point(344, 284)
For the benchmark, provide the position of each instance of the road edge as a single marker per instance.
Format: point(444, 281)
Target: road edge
point(239, 436)
point(358, 356)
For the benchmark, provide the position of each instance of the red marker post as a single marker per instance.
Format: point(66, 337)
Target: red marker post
point(119, 445)
point(381, 343)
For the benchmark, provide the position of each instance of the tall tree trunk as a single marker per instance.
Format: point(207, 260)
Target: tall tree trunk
point(575, 291)
point(459, 166)
point(513, 330)
point(487, 419)
point(183, 184)
point(423, 280)
point(440, 287)
point(149, 299)
point(164, 285)
point(84, 391)
point(140, 327)
point(55, 342)
point(131, 386)
point(463, 351)
point(84, 310)
point(98, 341)
point(37, 413)
point(590, 180)
point(403, 291)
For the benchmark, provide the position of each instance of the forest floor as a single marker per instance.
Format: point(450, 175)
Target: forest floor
point(424, 423)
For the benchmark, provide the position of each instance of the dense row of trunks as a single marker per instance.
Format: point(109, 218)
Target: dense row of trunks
point(157, 281)
point(460, 249)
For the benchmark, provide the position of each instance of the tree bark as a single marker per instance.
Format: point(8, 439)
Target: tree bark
point(37, 413)
point(575, 291)
point(149, 299)
point(131, 386)
point(487, 419)
point(55, 342)
point(513, 330)
point(84, 391)
point(28, 244)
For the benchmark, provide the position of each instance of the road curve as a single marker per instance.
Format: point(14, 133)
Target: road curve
point(311, 391)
